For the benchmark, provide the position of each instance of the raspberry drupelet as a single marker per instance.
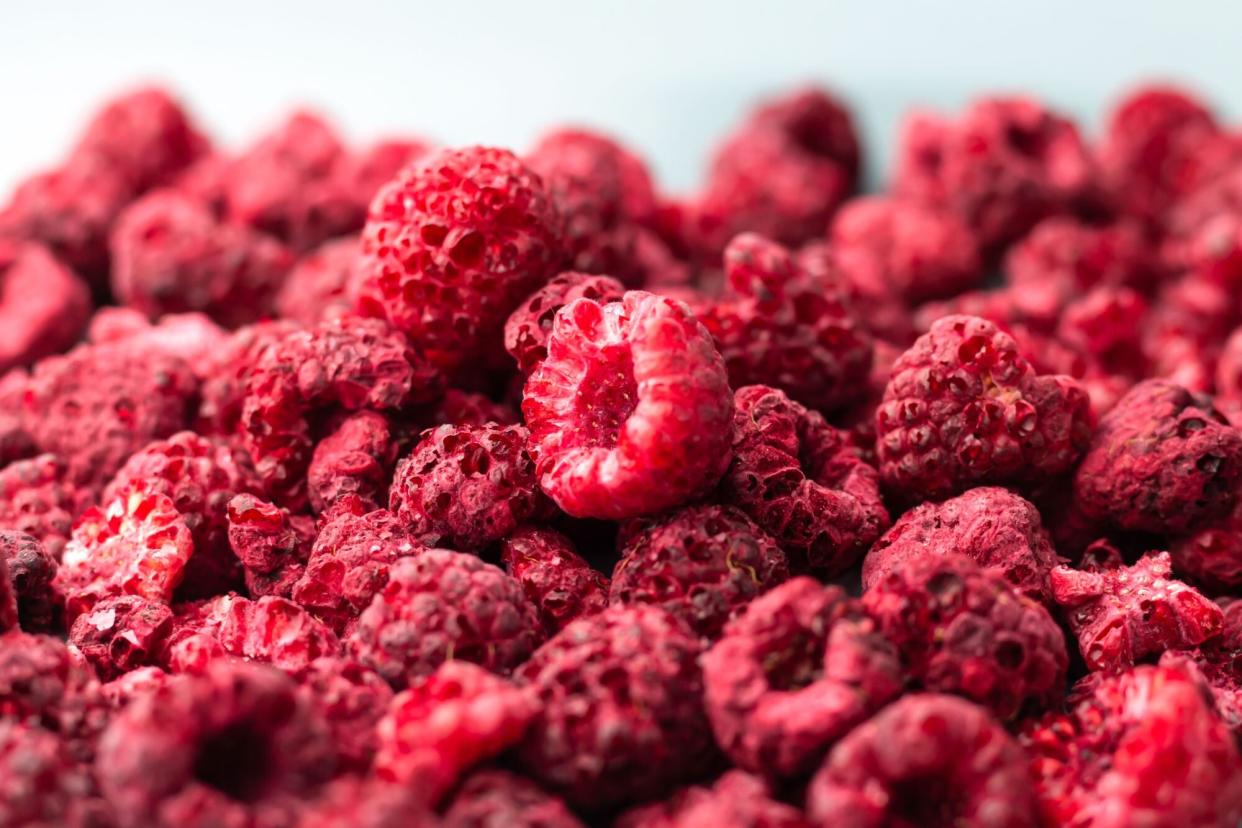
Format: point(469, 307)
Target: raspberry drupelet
point(491, 798)
point(556, 579)
point(44, 307)
point(737, 800)
point(529, 326)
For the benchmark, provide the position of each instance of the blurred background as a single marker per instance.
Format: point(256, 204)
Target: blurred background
point(668, 77)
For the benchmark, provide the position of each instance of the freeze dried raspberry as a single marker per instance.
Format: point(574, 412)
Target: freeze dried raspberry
point(1212, 556)
point(620, 713)
point(227, 371)
point(136, 544)
point(1229, 367)
point(29, 570)
point(447, 722)
point(40, 680)
point(737, 800)
point(8, 591)
point(37, 499)
point(803, 482)
point(192, 337)
point(1070, 257)
point(440, 606)
point(561, 585)
point(120, 634)
point(351, 699)
point(271, 543)
point(1123, 614)
point(42, 783)
point(43, 305)
point(1004, 165)
point(453, 244)
point(1140, 748)
point(530, 325)
point(467, 486)
point(703, 564)
point(992, 526)
point(1219, 661)
point(778, 325)
point(233, 745)
point(356, 458)
point(918, 252)
point(630, 413)
point(793, 674)
point(170, 254)
point(876, 306)
point(1162, 460)
point(468, 408)
point(490, 798)
point(964, 408)
point(319, 284)
point(1105, 324)
point(366, 171)
point(927, 760)
point(365, 802)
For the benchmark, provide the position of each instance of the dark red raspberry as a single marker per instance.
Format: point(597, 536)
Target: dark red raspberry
point(120, 634)
point(703, 564)
point(37, 499)
point(927, 760)
point(556, 579)
point(964, 408)
point(171, 255)
point(620, 713)
point(44, 307)
point(357, 458)
point(8, 589)
point(630, 413)
point(41, 680)
point(42, 784)
point(366, 802)
point(777, 324)
point(491, 798)
point(30, 569)
point(803, 482)
point(793, 674)
point(447, 722)
point(1212, 556)
point(1219, 660)
point(737, 800)
point(453, 244)
point(271, 543)
point(917, 252)
point(440, 606)
point(191, 337)
point(467, 486)
point(528, 328)
point(963, 629)
point(1124, 614)
point(1162, 460)
point(235, 746)
point(319, 285)
point(1105, 325)
point(351, 699)
point(992, 526)
point(1140, 748)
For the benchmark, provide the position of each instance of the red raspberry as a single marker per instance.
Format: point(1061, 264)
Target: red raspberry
point(802, 482)
point(226, 371)
point(1212, 556)
point(528, 328)
point(120, 634)
point(1123, 614)
point(467, 486)
point(561, 585)
point(271, 544)
point(44, 306)
point(1229, 367)
point(620, 713)
point(777, 324)
point(1140, 748)
point(235, 746)
point(36, 498)
point(351, 699)
point(191, 337)
point(994, 527)
point(442, 605)
point(453, 244)
point(1219, 661)
point(123, 689)
point(877, 307)
point(1163, 460)
point(356, 459)
point(467, 408)
point(737, 799)
point(29, 570)
point(927, 760)
point(490, 798)
point(1069, 257)
point(41, 681)
point(793, 674)
point(1189, 320)
point(703, 564)
point(8, 588)
point(42, 784)
point(917, 252)
point(1105, 325)
point(964, 408)
point(318, 286)
point(365, 802)
point(171, 255)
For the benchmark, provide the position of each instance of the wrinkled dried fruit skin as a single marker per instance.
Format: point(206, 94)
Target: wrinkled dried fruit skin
point(803, 482)
point(43, 305)
point(120, 634)
point(356, 458)
point(28, 573)
point(36, 499)
point(630, 413)
point(227, 369)
point(351, 700)
point(497, 797)
point(737, 799)
point(319, 285)
point(556, 579)
point(927, 760)
point(793, 674)
point(529, 326)
point(271, 544)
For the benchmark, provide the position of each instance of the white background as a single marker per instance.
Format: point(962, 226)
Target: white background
point(666, 76)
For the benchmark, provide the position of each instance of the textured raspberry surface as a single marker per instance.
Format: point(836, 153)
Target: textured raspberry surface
point(793, 674)
point(529, 326)
point(1212, 557)
point(44, 307)
point(351, 699)
point(496, 797)
point(630, 413)
point(556, 579)
point(42, 784)
point(271, 544)
point(737, 799)
point(1219, 661)
point(355, 459)
point(226, 370)
point(469, 408)
point(121, 634)
point(28, 572)
point(318, 286)
point(37, 500)
point(8, 589)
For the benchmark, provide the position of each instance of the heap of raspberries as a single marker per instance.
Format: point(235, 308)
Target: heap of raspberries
point(404, 486)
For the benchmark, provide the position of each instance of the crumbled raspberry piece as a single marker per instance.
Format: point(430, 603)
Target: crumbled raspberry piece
point(803, 482)
point(271, 543)
point(927, 760)
point(351, 699)
point(41, 783)
point(467, 486)
point(38, 500)
point(171, 255)
point(630, 413)
point(28, 572)
point(453, 244)
point(40, 680)
point(356, 458)
point(366, 802)
point(490, 798)
point(43, 305)
point(793, 674)
point(191, 337)
point(122, 633)
point(1140, 748)
point(318, 286)
point(964, 408)
point(620, 713)
point(446, 723)
point(1123, 614)
point(778, 325)
point(703, 564)
point(1162, 460)
point(1212, 556)
point(992, 526)
point(737, 799)
point(528, 327)
point(561, 585)
point(439, 606)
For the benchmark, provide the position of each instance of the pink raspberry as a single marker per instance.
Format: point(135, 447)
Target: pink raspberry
point(530, 325)
point(876, 305)
point(271, 543)
point(802, 482)
point(1211, 557)
point(1189, 320)
point(964, 408)
point(351, 699)
point(319, 284)
point(191, 337)
point(356, 458)
point(43, 305)
point(736, 799)
point(491, 798)
point(8, 589)
point(927, 760)
point(1229, 367)
point(37, 499)
point(794, 673)
point(630, 413)
point(562, 586)
point(122, 633)
point(28, 572)
point(365, 171)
